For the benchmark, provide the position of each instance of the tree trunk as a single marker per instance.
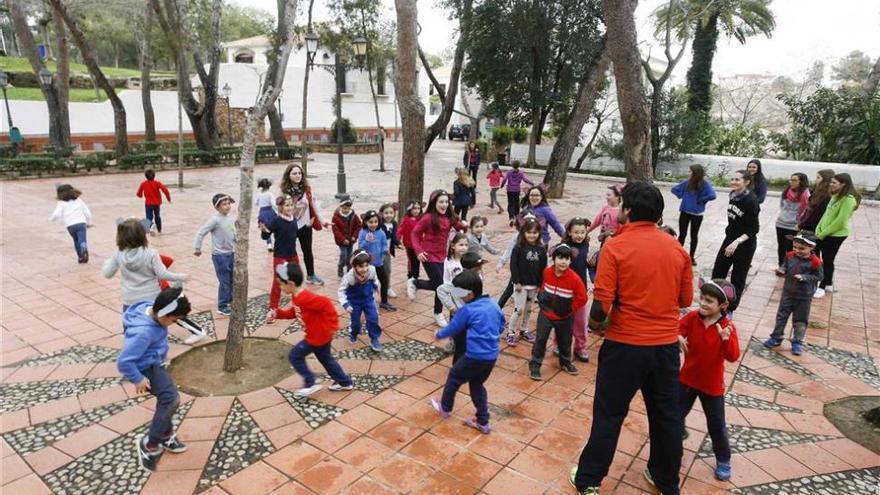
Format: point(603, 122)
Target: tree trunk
point(531, 160)
point(699, 75)
point(276, 129)
point(91, 62)
point(275, 77)
point(656, 96)
point(412, 111)
point(146, 65)
point(873, 79)
point(379, 132)
point(634, 111)
point(62, 79)
point(474, 119)
point(589, 147)
point(305, 102)
point(590, 84)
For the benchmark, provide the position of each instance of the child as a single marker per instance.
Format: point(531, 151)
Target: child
point(452, 264)
point(222, 230)
point(285, 230)
point(477, 241)
point(505, 257)
point(389, 225)
point(151, 190)
point(708, 338)
point(527, 262)
point(803, 272)
point(576, 238)
point(483, 321)
point(495, 176)
point(464, 193)
point(266, 202)
point(372, 240)
point(514, 179)
point(608, 220)
point(447, 295)
point(346, 227)
point(404, 235)
point(76, 216)
point(356, 297)
point(143, 351)
point(562, 293)
point(320, 324)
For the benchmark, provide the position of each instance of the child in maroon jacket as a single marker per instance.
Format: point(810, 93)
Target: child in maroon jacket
point(346, 227)
point(151, 190)
point(708, 338)
point(404, 236)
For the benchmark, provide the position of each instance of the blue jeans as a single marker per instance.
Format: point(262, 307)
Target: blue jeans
point(344, 255)
point(713, 408)
point(223, 268)
point(370, 314)
point(324, 353)
point(78, 233)
point(152, 213)
point(167, 400)
point(474, 373)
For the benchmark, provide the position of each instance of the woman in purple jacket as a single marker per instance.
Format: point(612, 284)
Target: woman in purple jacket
point(536, 202)
point(514, 179)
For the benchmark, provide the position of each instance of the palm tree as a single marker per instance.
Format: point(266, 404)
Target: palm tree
point(739, 19)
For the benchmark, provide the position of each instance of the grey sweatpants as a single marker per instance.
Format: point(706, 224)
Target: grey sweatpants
point(799, 310)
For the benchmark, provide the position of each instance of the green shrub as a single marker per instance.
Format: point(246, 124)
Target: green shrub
point(349, 135)
point(62, 152)
point(520, 134)
point(88, 162)
point(482, 145)
point(147, 147)
point(141, 160)
point(34, 164)
point(6, 151)
point(502, 136)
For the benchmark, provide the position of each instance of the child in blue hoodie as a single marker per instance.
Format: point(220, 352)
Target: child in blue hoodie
point(144, 350)
point(373, 240)
point(695, 192)
point(483, 320)
point(356, 297)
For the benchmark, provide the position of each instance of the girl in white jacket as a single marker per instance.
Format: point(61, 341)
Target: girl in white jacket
point(76, 216)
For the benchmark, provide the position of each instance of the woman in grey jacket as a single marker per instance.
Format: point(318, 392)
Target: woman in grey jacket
point(793, 203)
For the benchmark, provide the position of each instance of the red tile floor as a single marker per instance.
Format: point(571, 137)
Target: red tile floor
point(68, 422)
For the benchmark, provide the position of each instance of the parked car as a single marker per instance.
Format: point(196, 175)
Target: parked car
point(458, 132)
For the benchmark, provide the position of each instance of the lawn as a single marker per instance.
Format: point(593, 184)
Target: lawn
point(85, 95)
point(15, 64)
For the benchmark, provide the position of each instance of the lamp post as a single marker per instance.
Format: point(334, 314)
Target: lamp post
point(4, 82)
point(52, 101)
point(338, 68)
point(227, 92)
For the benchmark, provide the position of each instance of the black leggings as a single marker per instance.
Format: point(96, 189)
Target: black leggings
point(383, 276)
point(304, 236)
point(435, 279)
point(512, 204)
point(461, 212)
point(828, 248)
point(783, 243)
point(412, 263)
point(506, 295)
point(472, 169)
point(740, 262)
point(685, 218)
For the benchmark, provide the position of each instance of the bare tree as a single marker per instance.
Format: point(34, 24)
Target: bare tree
point(379, 131)
point(590, 86)
point(146, 60)
point(601, 115)
point(255, 115)
point(62, 77)
point(634, 111)
point(873, 79)
point(412, 111)
point(474, 117)
point(276, 124)
point(305, 102)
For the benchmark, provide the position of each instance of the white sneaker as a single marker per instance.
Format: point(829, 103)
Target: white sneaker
point(391, 292)
point(440, 319)
point(411, 289)
point(819, 294)
point(305, 392)
point(192, 339)
point(829, 289)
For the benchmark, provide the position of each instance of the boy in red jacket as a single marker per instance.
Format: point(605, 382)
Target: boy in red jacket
point(560, 295)
point(708, 338)
point(151, 190)
point(320, 324)
point(346, 227)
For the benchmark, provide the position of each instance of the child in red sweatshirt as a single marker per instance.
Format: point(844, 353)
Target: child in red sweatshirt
point(151, 190)
point(560, 295)
point(320, 323)
point(708, 338)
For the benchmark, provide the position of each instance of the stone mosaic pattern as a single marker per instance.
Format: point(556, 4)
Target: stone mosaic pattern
point(855, 364)
point(315, 413)
point(296, 326)
point(77, 354)
point(112, 469)
point(371, 384)
point(204, 319)
point(748, 438)
point(399, 350)
point(740, 400)
point(855, 482)
point(15, 396)
point(758, 349)
point(240, 444)
point(35, 437)
point(748, 375)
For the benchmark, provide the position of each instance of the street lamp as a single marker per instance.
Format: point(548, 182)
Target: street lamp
point(360, 46)
point(45, 77)
point(4, 82)
point(227, 92)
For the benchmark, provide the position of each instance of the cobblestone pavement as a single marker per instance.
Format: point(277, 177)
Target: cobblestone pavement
point(68, 422)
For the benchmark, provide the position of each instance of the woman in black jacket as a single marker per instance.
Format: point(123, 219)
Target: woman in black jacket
point(740, 236)
point(819, 198)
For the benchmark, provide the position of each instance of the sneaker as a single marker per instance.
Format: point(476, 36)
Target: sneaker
point(569, 368)
point(780, 272)
point(411, 289)
point(649, 478)
point(819, 294)
point(147, 458)
point(337, 387)
point(270, 249)
point(340, 271)
point(772, 342)
point(440, 320)
point(85, 256)
point(307, 391)
point(225, 311)
point(828, 288)
point(528, 336)
point(797, 348)
point(535, 374)
point(693, 262)
point(352, 336)
point(388, 307)
point(315, 280)
point(512, 339)
point(375, 345)
point(484, 429)
point(435, 402)
point(590, 490)
point(192, 339)
point(722, 471)
point(174, 445)
point(582, 356)
point(270, 317)
point(391, 293)
point(449, 348)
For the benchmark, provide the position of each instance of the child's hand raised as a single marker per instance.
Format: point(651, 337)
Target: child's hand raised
point(683, 344)
point(723, 332)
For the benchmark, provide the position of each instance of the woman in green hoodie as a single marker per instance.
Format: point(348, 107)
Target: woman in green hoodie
point(833, 228)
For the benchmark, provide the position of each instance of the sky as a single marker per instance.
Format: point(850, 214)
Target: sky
point(806, 30)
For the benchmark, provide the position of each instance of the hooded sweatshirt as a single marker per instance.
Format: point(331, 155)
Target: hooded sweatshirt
point(484, 322)
point(142, 268)
point(703, 367)
point(434, 243)
point(146, 342)
point(319, 317)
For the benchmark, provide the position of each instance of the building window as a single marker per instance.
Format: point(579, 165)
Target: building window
point(244, 57)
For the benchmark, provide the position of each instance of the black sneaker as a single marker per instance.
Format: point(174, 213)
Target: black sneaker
point(85, 258)
point(569, 368)
point(535, 374)
point(340, 271)
point(174, 445)
point(147, 458)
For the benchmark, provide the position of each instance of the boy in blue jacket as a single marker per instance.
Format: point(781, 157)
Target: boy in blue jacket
point(143, 352)
point(356, 297)
point(483, 320)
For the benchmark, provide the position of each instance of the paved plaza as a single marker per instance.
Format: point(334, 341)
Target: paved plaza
point(69, 421)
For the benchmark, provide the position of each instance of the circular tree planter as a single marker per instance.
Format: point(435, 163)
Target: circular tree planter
point(199, 371)
point(847, 415)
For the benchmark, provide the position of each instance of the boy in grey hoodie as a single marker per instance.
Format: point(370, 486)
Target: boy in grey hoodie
point(222, 230)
